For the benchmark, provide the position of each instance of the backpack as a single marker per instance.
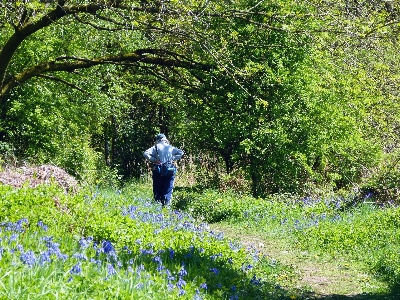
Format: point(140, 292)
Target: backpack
point(167, 169)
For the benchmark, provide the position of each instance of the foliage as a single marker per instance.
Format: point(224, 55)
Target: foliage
point(118, 242)
point(332, 227)
point(211, 205)
point(293, 96)
point(383, 183)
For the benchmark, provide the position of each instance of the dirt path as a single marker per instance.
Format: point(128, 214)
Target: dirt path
point(327, 279)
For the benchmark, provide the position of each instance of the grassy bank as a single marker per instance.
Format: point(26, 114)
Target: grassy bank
point(120, 244)
point(335, 230)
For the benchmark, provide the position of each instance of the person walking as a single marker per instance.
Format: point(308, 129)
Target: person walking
point(162, 152)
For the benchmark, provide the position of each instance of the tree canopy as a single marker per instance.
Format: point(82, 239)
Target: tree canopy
point(295, 94)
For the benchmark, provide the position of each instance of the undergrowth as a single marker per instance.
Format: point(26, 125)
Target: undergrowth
point(331, 226)
point(99, 243)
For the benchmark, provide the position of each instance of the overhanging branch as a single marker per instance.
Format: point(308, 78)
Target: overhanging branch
point(69, 64)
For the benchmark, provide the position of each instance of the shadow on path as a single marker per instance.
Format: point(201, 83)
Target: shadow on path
point(389, 296)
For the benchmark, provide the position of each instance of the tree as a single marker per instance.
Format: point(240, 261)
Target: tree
point(237, 78)
point(24, 21)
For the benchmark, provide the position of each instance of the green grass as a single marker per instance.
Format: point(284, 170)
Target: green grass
point(332, 233)
point(99, 243)
point(102, 242)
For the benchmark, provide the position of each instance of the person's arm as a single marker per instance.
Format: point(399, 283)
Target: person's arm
point(149, 154)
point(177, 153)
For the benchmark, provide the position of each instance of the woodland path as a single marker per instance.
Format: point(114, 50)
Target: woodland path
point(327, 280)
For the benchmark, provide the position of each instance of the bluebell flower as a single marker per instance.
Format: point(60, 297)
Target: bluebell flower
point(233, 288)
point(139, 269)
point(234, 297)
point(42, 225)
point(170, 286)
point(45, 256)
point(157, 259)
point(181, 283)
point(28, 258)
point(255, 280)
point(76, 269)
point(215, 256)
point(160, 268)
point(95, 261)
point(85, 243)
point(214, 270)
point(170, 277)
point(139, 286)
point(197, 296)
point(203, 286)
point(182, 272)
point(111, 270)
point(171, 253)
point(234, 246)
point(107, 247)
point(147, 252)
point(80, 256)
point(13, 237)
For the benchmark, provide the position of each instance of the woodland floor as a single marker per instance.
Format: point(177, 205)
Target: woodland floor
point(325, 279)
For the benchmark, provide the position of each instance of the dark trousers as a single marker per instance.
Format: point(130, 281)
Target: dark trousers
point(162, 188)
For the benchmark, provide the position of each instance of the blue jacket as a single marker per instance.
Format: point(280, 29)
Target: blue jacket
point(166, 152)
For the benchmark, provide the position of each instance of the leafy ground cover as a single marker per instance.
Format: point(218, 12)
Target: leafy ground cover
point(120, 245)
point(340, 245)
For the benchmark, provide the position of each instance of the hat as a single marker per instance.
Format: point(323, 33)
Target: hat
point(160, 136)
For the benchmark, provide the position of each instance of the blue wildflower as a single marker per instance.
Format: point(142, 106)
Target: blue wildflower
point(158, 260)
point(85, 243)
point(170, 277)
point(182, 272)
point(170, 286)
point(255, 280)
point(42, 225)
point(214, 270)
point(45, 256)
point(140, 286)
point(171, 254)
point(28, 258)
point(80, 256)
point(107, 247)
point(181, 283)
point(111, 270)
point(76, 269)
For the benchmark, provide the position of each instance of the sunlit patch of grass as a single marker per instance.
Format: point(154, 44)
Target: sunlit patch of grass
point(333, 228)
point(120, 243)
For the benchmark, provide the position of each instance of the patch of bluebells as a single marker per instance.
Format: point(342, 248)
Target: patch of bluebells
point(105, 255)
